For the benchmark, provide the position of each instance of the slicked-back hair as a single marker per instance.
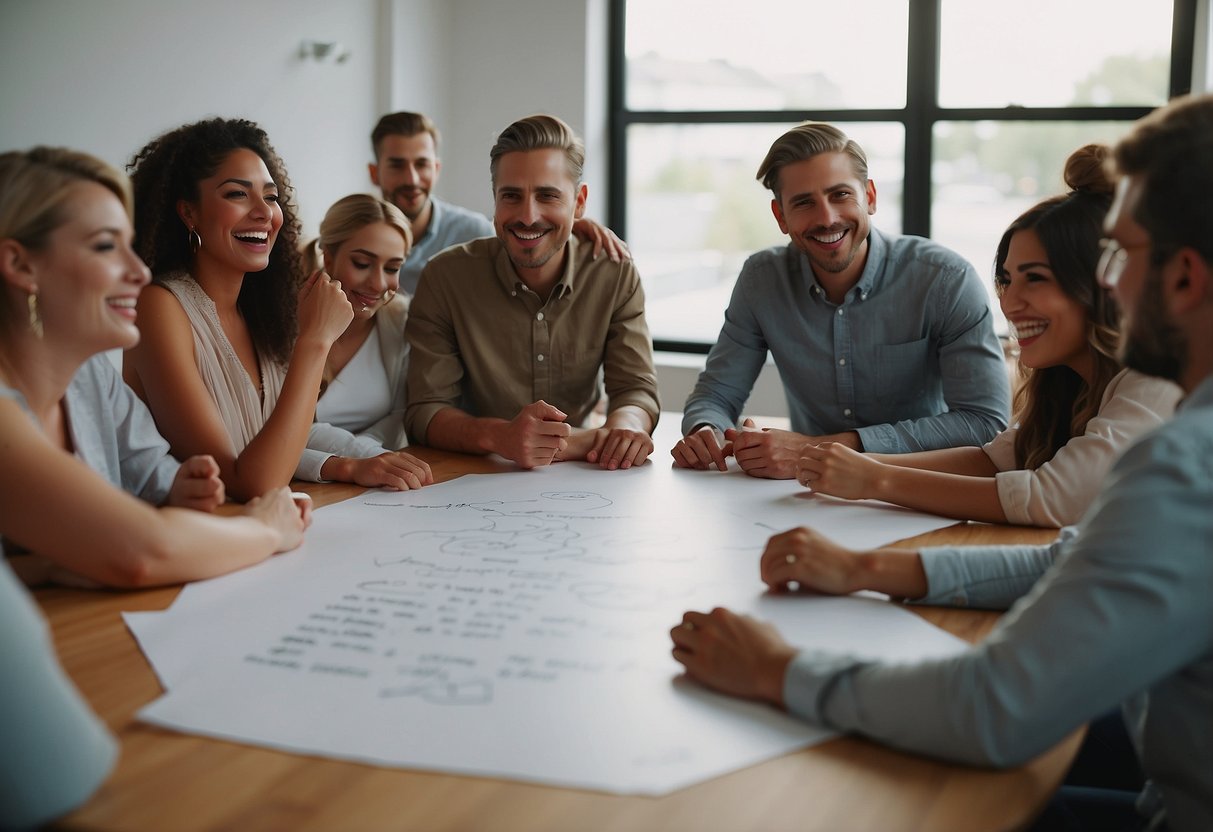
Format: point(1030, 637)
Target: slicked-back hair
point(539, 132)
point(168, 170)
point(804, 141)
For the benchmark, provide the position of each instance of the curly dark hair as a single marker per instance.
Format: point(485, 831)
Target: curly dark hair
point(1054, 404)
point(168, 169)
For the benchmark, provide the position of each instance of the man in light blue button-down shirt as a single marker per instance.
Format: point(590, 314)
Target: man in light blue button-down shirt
point(884, 343)
point(1117, 611)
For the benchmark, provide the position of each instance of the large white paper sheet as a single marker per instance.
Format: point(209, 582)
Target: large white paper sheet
point(516, 625)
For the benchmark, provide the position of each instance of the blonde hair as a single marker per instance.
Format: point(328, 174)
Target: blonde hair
point(349, 215)
point(36, 190)
point(345, 218)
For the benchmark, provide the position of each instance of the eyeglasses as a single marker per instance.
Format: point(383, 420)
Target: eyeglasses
point(1112, 261)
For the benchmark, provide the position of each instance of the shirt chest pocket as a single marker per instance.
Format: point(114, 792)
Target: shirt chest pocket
point(904, 372)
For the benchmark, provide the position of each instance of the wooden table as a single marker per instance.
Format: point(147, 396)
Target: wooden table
point(169, 781)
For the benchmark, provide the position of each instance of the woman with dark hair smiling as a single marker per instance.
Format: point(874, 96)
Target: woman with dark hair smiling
point(1076, 408)
point(234, 347)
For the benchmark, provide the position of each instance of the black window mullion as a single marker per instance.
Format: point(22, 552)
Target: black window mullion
point(617, 119)
point(922, 92)
point(1183, 46)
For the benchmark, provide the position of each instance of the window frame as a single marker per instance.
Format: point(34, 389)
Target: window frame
point(918, 117)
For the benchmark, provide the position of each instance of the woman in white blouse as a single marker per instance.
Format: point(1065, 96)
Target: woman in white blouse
point(362, 245)
point(1076, 409)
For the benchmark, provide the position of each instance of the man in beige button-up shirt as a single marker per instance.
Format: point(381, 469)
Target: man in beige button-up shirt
point(508, 334)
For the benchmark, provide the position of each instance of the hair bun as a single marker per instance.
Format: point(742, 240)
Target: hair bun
point(1087, 172)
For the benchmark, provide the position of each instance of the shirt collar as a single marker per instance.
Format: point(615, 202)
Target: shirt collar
point(873, 270)
point(435, 220)
point(510, 280)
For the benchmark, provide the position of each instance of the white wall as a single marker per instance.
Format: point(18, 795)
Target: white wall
point(509, 60)
point(418, 34)
point(106, 77)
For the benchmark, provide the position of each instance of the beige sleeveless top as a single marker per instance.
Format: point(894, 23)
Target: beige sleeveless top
point(243, 410)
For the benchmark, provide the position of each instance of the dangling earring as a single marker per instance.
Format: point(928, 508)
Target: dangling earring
point(35, 320)
point(195, 240)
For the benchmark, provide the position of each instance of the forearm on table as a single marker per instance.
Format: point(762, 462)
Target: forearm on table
point(969, 461)
point(630, 417)
point(895, 572)
point(454, 430)
point(195, 546)
point(948, 495)
point(952, 429)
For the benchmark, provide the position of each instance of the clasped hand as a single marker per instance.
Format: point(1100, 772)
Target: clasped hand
point(834, 469)
point(610, 448)
point(761, 452)
point(535, 436)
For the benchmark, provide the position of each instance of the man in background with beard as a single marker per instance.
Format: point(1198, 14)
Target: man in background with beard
point(1116, 612)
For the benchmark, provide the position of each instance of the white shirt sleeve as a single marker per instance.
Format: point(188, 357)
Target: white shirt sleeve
point(1059, 492)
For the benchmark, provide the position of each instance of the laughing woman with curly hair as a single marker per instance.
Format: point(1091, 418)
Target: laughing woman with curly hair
point(234, 340)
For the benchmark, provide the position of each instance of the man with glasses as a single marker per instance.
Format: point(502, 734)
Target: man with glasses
point(1116, 612)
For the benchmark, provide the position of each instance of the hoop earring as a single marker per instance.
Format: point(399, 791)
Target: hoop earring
point(35, 319)
point(195, 240)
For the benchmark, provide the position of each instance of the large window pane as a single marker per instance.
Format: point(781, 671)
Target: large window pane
point(1044, 53)
point(985, 174)
point(765, 55)
point(695, 212)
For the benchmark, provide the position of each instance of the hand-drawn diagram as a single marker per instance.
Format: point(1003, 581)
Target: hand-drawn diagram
point(438, 688)
point(513, 531)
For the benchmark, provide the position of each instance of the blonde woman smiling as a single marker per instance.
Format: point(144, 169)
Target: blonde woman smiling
point(363, 244)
